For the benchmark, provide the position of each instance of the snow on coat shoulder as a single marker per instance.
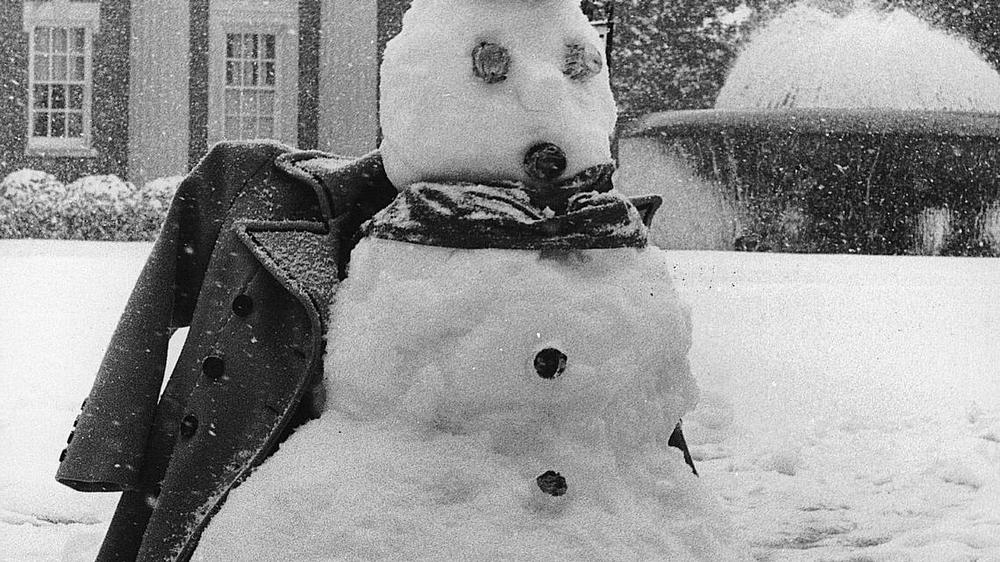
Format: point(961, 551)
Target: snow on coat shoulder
point(489, 404)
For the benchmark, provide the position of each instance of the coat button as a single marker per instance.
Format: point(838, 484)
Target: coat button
point(242, 306)
point(70, 438)
point(552, 483)
point(188, 426)
point(550, 363)
point(213, 367)
point(62, 455)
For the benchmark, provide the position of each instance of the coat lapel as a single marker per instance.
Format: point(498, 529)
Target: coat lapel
point(308, 257)
point(301, 255)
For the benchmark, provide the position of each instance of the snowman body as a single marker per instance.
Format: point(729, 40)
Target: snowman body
point(490, 401)
point(443, 431)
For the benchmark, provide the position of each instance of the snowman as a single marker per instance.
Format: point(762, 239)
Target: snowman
point(507, 359)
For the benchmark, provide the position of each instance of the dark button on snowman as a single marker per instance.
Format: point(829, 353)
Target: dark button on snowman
point(506, 359)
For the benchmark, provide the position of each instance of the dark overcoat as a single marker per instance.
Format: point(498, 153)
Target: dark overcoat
point(252, 249)
point(255, 242)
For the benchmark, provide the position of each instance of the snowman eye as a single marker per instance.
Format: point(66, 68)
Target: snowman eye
point(582, 61)
point(490, 62)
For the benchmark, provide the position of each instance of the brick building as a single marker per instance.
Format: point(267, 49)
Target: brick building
point(141, 88)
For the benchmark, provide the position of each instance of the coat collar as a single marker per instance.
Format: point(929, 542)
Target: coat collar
point(341, 184)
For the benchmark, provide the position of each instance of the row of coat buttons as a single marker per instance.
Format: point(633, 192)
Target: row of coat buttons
point(69, 439)
point(213, 366)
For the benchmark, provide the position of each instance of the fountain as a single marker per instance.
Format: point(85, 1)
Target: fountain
point(865, 133)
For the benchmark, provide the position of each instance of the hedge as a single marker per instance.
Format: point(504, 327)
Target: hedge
point(34, 204)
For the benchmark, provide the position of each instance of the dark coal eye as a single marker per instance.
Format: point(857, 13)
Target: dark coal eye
point(582, 61)
point(490, 62)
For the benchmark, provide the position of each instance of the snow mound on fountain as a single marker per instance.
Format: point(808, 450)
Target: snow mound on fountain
point(439, 425)
point(809, 58)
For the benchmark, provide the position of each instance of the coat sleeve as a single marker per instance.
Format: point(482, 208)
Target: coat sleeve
point(106, 446)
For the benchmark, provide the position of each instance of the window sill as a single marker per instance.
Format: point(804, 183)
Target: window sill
point(43, 151)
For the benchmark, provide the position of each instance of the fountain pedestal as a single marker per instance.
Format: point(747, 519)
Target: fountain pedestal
point(824, 180)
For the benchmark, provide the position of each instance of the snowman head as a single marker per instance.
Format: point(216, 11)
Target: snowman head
point(486, 90)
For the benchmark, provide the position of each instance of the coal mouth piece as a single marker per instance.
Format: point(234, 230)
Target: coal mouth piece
point(544, 161)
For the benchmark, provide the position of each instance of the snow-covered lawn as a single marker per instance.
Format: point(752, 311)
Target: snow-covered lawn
point(865, 397)
point(850, 408)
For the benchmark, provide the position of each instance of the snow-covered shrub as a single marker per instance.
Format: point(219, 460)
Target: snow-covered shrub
point(102, 207)
point(97, 208)
point(26, 204)
point(26, 183)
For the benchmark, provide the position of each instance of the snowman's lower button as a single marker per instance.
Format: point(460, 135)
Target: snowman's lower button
point(550, 363)
point(552, 483)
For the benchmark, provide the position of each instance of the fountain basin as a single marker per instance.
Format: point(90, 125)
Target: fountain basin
point(873, 181)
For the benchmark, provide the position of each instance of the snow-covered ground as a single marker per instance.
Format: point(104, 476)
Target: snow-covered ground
point(850, 408)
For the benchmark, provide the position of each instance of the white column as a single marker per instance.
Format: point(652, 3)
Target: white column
point(348, 77)
point(158, 89)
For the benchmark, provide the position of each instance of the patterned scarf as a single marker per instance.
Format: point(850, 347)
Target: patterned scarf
point(582, 212)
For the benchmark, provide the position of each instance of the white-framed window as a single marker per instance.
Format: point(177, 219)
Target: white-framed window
point(253, 70)
point(251, 87)
point(60, 76)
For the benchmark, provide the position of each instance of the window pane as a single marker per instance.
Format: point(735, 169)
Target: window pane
point(59, 42)
point(41, 67)
point(232, 45)
point(248, 74)
point(267, 128)
point(267, 104)
point(58, 124)
point(77, 69)
point(77, 39)
point(74, 126)
point(58, 97)
point(249, 129)
point(41, 126)
point(76, 96)
point(232, 127)
point(59, 67)
point(269, 73)
point(250, 103)
point(40, 95)
point(269, 46)
point(232, 74)
point(232, 101)
point(255, 41)
point(42, 39)
point(249, 46)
